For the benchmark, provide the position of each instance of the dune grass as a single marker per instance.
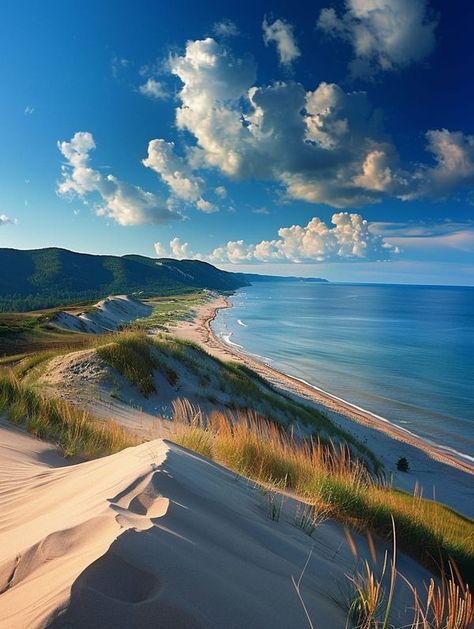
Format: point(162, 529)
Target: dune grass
point(444, 603)
point(247, 390)
point(328, 477)
point(75, 431)
point(168, 310)
point(130, 354)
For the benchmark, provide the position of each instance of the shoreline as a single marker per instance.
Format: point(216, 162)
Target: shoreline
point(200, 330)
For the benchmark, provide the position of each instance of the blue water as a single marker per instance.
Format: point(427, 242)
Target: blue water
point(405, 353)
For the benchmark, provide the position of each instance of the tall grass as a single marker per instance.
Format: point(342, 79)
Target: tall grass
point(328, 477)
point(76, 432)
point(445, 603)
point(130, 354)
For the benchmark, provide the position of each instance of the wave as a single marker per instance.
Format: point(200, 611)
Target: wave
point(226, 338)
point(240, 322)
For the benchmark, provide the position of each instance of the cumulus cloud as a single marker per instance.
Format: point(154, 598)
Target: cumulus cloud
point(177, 174)
point(350, 238)
point(153, 89)
point(324, 145)
point(173, 170)
point(123, 202)
point(281, 34)
point(177, 249)
point(221, 192)
point(6, 220)
point(453, 152)
point(206, 206)
point(29, 110)
point(384, 34)
point(160, 250)
point(313, 142)
point(225, 28)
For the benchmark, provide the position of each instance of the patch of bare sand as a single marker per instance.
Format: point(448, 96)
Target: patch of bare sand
point(156, 536)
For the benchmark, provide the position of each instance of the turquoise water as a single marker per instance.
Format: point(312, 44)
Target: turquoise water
point(405, 353)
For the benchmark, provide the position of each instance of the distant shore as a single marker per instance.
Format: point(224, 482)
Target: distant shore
point(348, 415)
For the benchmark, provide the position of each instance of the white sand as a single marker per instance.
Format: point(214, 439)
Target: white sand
point(106, 315)
point(155, 536)
point(440, 474)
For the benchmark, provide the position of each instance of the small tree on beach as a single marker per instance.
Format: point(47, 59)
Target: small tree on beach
point(402, 464)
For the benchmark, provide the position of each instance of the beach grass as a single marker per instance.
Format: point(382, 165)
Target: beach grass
point(329, 478)
point(169, 310)
point(130, 354)
point(77, 432)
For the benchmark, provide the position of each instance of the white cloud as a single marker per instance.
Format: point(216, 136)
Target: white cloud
point(281, 34)
point(225, 28)
point(173, 170)
point(384, 34)
point(349, 239)
point(324, 145)
point(314, 143)
point(29, 110)
point(213, 79)
point(179, 249)
point(206, 206)
point(6, 220)
point(221, 192)
point(454, 155)
point(160, 250)
point(153, 89)
point(376, 172)
point(123, 202)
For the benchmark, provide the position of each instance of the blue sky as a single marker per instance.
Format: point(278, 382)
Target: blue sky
point(326, 138)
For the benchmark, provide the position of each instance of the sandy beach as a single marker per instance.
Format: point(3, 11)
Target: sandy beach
point(443, 475)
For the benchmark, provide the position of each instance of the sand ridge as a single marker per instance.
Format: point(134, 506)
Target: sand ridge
point(156, 536)
point(106, 315)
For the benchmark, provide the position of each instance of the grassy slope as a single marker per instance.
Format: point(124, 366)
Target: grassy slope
point(331, 481)
point(75, 431)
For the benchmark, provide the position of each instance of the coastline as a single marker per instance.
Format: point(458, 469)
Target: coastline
point(432, 463)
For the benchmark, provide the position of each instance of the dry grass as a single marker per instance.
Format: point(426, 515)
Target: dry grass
point(446, 603)
point(329, 479)
point(76, 432)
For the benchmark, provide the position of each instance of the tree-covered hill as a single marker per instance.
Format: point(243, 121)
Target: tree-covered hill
point(44, 278)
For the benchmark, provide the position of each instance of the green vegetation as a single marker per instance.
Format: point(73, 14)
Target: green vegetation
point(131, 355)
point(329, 478)
point(77, 432)
point(402, 464)
point(168, 310)
point(26, 333)
point(44, 278)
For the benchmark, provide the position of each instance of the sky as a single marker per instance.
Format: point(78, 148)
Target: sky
point(331, 139)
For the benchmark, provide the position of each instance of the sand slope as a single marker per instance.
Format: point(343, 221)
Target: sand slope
point(106, 315)
point(157, 537)
point(55, 521)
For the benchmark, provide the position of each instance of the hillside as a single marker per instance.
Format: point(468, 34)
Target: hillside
point(44, 278)
point(257, 277)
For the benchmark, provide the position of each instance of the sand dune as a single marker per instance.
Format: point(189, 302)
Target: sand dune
point(106, 315)
point(158, 537)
